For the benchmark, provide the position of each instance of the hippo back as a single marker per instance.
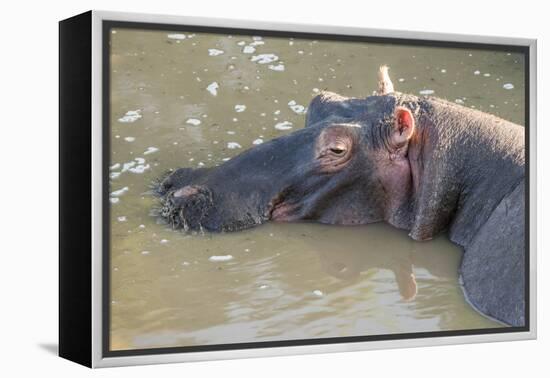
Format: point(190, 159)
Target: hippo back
point(493, 266)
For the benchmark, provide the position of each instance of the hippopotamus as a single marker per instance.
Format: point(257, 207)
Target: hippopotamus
point(422, 164)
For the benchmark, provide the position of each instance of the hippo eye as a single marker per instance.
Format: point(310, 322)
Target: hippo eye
point(334, 147)
point(337, 150)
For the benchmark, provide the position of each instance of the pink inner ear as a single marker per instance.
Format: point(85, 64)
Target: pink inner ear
point(404, 120)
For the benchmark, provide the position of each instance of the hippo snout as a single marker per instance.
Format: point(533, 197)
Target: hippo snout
point(180, 178)
point(187, 207)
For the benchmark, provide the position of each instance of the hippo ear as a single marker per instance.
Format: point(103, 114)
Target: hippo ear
point(385, 85)
point(403, 128)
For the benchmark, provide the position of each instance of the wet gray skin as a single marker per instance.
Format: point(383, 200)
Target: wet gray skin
point(420, 164)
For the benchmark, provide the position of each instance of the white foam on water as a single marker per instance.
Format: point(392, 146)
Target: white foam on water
point(256, 38)
point(121, 219)
point(230, 132)
point(213, 88)
point(215, 52)
point(163, 241)
point(258, 141)
point(400, 80)
point(150, 150)
point(240, 108)
point(476, 72)
point(426, 92)
point(118, 193)
point(297, 108)
point(263, 287)
point(130, 116)
point(279, 67)
point(459, 101)
point(139, 168)
point(443, 70)
point(284, 125)
point(140, 160)
point(508, 86)
point(145, 252)
point(487, 74)
point(233, 145)
point(221, 258)
point(114, 200)
point(114, 166)
point(318, 293)
point(127, 166)
point(249, 50)
point(129, 139)
point(316, 90)
point(226, 159)
point(241, 43)
point(264, 58)
point(177, 36)
point(114, 175)
point(193, 121)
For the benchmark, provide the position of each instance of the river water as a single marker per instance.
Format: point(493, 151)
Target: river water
point(185, 99)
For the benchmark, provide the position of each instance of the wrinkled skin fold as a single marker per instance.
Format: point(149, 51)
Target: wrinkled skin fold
point(420, 164)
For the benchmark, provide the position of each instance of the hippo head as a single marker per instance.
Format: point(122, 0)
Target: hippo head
point(347, 166)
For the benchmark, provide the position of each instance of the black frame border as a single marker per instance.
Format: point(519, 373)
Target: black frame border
point(75, 188)
point(107, 25)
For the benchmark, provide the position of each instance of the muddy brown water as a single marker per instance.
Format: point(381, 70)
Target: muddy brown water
point(182, 99)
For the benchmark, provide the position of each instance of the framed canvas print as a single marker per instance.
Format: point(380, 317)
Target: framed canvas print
point(233, 189)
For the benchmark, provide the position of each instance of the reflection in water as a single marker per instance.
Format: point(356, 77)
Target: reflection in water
point(178, 101)
point(424, 269)
point(388, 250)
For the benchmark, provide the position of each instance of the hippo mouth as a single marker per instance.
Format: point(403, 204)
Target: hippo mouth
point(282, 210)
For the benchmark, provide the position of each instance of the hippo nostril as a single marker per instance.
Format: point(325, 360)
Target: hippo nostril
point(187, 207)
point(186, 191)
